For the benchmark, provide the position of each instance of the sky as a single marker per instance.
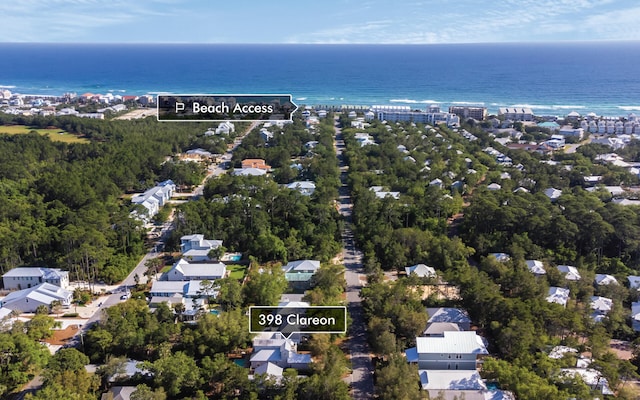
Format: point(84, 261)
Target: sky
point(328, 21)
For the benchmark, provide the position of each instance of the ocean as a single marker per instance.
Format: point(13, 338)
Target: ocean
point(552, 79)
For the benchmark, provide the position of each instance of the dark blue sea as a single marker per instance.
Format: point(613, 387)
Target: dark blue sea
point(551, 78)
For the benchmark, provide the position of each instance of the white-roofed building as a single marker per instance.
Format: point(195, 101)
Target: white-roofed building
point(153, 199)
point(536, 267)
point(185, 271)
point(634, 281)
point(553, 194)
point(635, 316)
point(225, 128)
point(558, 295)
point(273, 347)
point(421, 270)
point(451, 351)
point(601, 307)
point(249, 172)
point(590, 377)
point(570, 273)
point(558, 352)
point(196, 247)
point(26, 277)
point(604, 279)
point(453, 315)
point(188, 289)
point(28, 300)
point(501, 257)
point(306, 188)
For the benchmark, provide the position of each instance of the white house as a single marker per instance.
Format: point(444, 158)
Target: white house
point(568, 130)
point(449, 315)
point(28, 300)
point(604, 279)
point(635, 316)
point(451, 351)
point(590, 377)
point(225, 128)
point(421, 270)
point(570, 273)
point(558, 295)
point(196, 247)
point(249, 172)
point(26, 277)
point(501, 257)
point(185, 271)
point(176, 288)
point(274, 348)
point(634, 281)
point(306, 188)
point(553, 194)
point(494, 186)
point(536, 267)
point(601, 307)
point(154, 198)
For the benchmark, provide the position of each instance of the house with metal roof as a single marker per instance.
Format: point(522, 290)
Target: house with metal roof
point(26, 277)
point(28, 300)
point(185, 271)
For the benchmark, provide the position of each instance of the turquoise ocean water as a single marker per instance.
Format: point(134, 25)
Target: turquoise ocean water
point(551, 78)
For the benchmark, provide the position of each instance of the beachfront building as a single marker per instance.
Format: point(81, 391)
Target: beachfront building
point(26, 277)
point(516, 113)
point(466, 112)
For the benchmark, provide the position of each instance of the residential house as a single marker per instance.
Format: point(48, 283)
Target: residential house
point(298, 273)
point(634, 281)
point(601, 307)
point(455, 316)
point(255, 163)
point(558, 295)
point(494, 186)
point(188, 289)
point(570, 131)
point(249, 172)
point(185, 271)
point(553, 194)
point(516, 113)
point(225, 128)
point(451, 351)
point(604, 279)
point(306, 188)
point(501, 257)
point(153, 199)
point(570, 273)
point(197, 248)
point(591, 377)
point(274, 348)
point(28, 300)
point(536, 267)
point(26, 277)
point(421, 270)
point(635, 316)
point(119, 393)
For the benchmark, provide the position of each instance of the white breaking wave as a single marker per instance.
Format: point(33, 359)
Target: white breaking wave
point(629, 108)
point(411, 101)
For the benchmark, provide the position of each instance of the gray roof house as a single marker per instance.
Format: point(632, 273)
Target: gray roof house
point(26, 277)
point(28, 300)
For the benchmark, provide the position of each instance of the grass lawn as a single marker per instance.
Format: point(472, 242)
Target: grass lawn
point(166, 268)
point(237, 271)
point(55, 134)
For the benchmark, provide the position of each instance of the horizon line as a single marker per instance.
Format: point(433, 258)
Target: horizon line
point(556, 42)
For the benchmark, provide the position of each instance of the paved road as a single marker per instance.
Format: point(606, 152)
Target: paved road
point(141, 267)
point(361, 378)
